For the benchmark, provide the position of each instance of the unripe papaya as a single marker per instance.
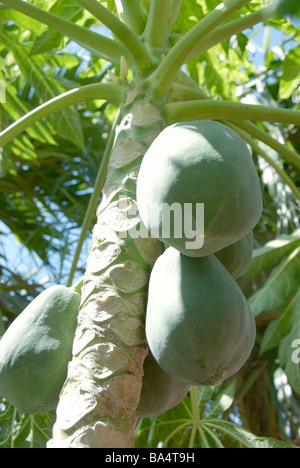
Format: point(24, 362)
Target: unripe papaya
point(199, 326)
point(160, 391)
point(192, 165)
point(237, 256)
point(36, 348)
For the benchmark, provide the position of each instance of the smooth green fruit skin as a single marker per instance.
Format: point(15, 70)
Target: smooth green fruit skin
point(200, 162)
point(36, 349)
point(237, 257)
point(199, 326)
point(160, 392)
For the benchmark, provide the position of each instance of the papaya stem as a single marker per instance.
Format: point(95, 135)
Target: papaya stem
point(196, 414)
point(162, 78)
point(210, 109)
point(107, 91)
point(130, 12)
point(127, 37)
point(94, 200)
point(157, 24)
point(99, 45)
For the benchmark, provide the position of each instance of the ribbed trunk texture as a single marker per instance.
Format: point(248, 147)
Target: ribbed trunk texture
point(98, 403)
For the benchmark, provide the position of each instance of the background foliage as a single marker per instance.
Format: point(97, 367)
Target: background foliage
point(47, 176)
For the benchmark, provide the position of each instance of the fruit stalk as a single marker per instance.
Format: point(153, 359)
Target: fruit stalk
point(98, 403)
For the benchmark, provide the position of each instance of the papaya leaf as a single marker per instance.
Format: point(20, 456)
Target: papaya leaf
point(235, 436)
point(277, 329)
point(172, 428)
point(51, 39)
point(204, 394)
point(290, 79)
point(272, 251)
point(65, 122)
point(26, 431)
point(281, 284)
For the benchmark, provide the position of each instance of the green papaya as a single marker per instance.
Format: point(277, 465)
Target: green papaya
point(198, 189)
point(199, 326)
point(36, 348)
point(237, 256)
point(160, 392)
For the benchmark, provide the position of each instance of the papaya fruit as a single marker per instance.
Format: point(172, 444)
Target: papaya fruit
point(160, 392)
point(199, 326)
point(237, 256)
point(36, 348)
point(192, 165)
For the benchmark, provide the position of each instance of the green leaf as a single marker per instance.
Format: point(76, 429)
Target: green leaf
point(279, 328)
point(172, 428)
point(238, 437)
point(223, 401)
point(51, 39)
point(281, 284)
point(66, 121)
point(290, 80)
point(25, 431)
point(272, 251)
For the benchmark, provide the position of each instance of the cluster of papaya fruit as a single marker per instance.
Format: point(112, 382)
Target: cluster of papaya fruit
point(199, 326)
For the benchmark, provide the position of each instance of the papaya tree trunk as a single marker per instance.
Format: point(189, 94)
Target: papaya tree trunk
point(98, 403)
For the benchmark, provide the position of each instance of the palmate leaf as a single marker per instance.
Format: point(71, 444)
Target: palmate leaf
point(233, 436)
point(26, 431)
